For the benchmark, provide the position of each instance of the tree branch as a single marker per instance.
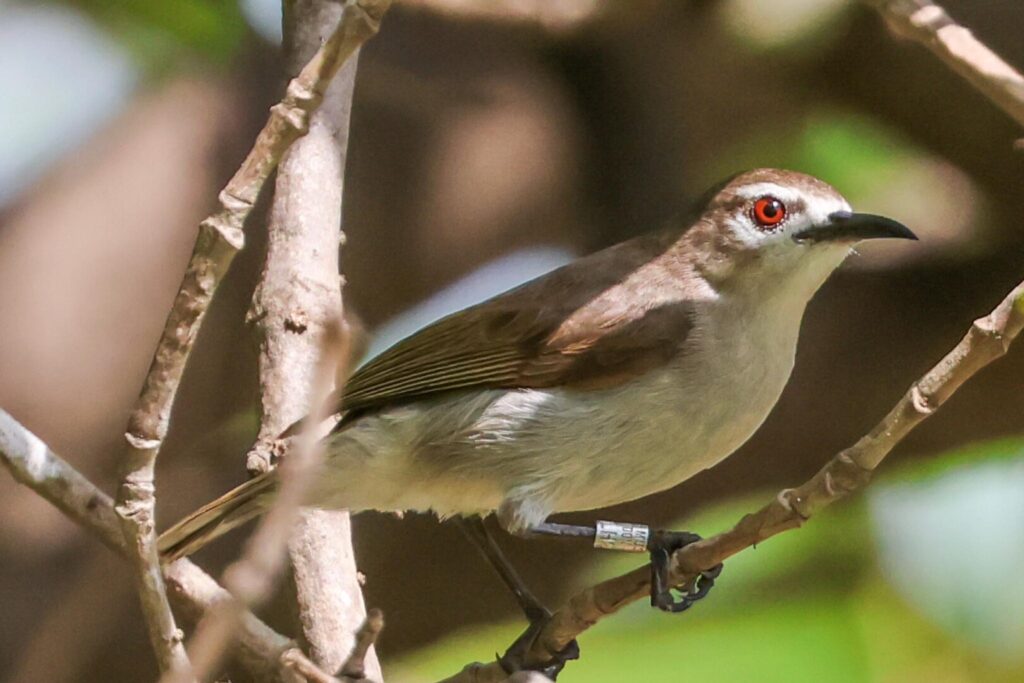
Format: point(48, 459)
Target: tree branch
point(354, 668)
point(929, 24)
point(260, 649)
point(987, 339)
point(252, 577)
point(298, 293)
point(220, 237)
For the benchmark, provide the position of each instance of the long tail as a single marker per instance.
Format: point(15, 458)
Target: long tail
point(218, 517)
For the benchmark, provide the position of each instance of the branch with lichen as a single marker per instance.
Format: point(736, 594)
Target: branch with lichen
point(220, 238)
point(988, 338)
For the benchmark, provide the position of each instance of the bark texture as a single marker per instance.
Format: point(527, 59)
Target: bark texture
point(298, 295)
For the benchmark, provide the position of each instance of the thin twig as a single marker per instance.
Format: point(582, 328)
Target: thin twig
point(251, 578)
point(304, 668)
point(36, 466)
point(929, 24)
point(988, 339)
point(33, 464)
point(354, 667)
point(220, 237)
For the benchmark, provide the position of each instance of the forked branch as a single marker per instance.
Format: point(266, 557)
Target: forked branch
point(219, 239)
point(261, 650)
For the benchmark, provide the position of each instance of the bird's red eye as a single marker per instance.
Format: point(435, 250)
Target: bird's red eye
point(769, 212)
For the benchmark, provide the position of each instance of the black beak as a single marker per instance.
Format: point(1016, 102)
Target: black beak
point(853, 227)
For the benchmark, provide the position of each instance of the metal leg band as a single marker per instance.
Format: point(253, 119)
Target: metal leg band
point(627, 537)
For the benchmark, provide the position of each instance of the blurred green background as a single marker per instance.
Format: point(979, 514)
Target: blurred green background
point(917, 581)
point(493, 140)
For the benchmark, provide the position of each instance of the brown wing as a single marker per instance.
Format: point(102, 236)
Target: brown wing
point(594, 323)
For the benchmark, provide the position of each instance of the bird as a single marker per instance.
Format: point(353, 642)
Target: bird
point(616, 376)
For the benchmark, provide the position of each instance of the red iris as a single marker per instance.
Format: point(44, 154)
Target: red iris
point(769, 212)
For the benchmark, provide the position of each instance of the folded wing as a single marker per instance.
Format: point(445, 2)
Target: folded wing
point(592, 324)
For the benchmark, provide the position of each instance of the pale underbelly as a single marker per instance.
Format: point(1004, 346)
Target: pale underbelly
point(583, 451)
point(657, 452)
point(554, 450)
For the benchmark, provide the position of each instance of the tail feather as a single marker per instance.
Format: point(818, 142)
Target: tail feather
point(216, 518)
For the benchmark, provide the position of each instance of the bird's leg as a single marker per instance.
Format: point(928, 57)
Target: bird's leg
point(638, 538)
point(538, 615)
point(476, 531)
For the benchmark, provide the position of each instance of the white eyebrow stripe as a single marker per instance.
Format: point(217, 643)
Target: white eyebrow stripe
point(761, 189)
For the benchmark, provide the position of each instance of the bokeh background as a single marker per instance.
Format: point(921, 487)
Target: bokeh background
point(491, 141)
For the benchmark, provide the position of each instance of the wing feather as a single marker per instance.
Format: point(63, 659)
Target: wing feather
point(591, 324)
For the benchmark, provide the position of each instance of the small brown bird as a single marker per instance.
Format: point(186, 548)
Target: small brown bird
point(616, 376)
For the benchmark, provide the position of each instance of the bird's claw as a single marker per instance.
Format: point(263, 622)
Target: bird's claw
point(661, 547)
point(515, 656)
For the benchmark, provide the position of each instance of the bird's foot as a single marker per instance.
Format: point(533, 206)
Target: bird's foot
point(661, 547)
point(515, 656)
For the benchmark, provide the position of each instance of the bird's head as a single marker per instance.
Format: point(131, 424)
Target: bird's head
point(772, 226)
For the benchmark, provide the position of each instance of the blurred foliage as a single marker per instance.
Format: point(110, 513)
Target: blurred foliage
point(851, 151)
point(796, 26)
point(809, 605)
point(876, 166)
point(949, 537)
point(159, 34)
point(1000, 451)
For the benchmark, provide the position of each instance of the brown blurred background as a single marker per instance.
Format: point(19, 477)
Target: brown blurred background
point(553, 129)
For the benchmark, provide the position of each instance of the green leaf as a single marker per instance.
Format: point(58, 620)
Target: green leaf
point(161, 33)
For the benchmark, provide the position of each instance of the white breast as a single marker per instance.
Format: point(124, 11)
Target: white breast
point(560, 450)
point(662, 429)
